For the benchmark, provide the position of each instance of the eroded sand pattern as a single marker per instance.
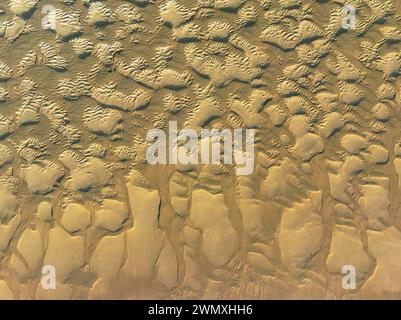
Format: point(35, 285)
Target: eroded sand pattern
point(79, 93)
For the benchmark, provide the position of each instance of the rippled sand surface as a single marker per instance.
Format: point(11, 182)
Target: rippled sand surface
point(83, 81)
